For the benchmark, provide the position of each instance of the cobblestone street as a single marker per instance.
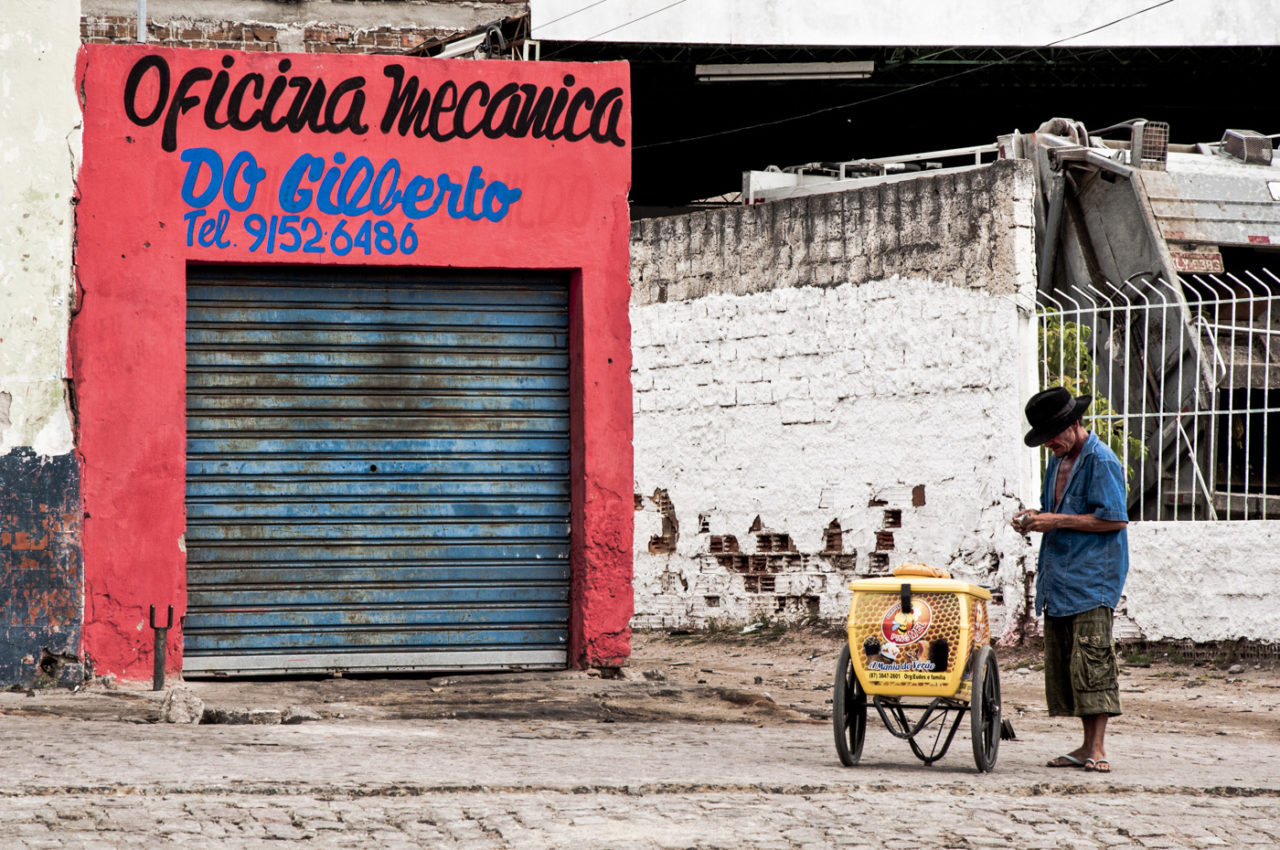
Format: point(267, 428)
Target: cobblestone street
point(480, 784)
point(686, 750)
point(790, 818)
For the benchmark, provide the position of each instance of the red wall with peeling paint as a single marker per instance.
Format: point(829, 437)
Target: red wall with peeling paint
point(128, 336)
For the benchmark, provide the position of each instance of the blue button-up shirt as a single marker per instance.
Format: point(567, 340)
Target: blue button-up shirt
point(1083, 570)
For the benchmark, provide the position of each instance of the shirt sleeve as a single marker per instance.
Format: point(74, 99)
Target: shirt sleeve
point(1106, 491)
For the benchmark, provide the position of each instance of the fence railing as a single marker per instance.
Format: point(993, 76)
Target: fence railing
point(1186, 386)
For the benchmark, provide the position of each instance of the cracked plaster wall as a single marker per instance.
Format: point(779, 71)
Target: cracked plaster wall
point(41, 567)
point(40, 147)
point(854, 359)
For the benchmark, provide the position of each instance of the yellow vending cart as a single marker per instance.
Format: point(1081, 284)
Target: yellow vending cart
point(919, 641)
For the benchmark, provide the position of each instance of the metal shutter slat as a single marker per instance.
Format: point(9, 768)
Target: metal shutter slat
point(377, 471)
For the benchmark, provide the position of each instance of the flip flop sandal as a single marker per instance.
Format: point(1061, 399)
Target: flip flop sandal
point(1066, 761)
point(1097, 766)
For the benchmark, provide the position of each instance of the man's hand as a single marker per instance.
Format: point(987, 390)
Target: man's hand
point(1022, 519)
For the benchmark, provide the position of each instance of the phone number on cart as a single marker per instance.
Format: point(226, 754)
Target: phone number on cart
point(292, 234)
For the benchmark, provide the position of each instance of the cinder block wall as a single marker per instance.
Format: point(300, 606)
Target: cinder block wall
point(826, 387)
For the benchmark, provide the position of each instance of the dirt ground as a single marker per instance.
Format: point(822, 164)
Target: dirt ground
point(795, 669)
point(767, 677)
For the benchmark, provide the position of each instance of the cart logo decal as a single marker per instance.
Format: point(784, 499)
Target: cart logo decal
point(901, 648)
point(904, 629)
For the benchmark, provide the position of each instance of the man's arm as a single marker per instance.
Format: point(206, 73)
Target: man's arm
point(1042, 522)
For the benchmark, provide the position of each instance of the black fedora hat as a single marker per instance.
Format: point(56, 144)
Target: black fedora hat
point(1051, 412)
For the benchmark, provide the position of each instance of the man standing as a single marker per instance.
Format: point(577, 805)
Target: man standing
point(1084, 558)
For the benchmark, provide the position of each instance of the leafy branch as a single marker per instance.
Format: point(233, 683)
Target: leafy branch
point(1068, 362)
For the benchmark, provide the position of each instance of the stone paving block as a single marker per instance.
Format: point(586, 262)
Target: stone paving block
point(461, 830)
point(178, 826)
point(47, 843)
point(476, 844)
point(213, 829)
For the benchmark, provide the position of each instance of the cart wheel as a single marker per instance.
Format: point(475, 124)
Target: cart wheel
point(848, 711)
point(984, 708)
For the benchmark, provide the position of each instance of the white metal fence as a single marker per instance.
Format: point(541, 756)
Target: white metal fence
point(1186, 386)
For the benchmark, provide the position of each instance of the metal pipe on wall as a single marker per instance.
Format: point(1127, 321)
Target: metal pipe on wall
point(142, 21)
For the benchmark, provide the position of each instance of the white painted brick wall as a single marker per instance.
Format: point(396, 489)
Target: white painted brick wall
point(1204, 581)
point(796, 362)
point(844, 395)
point(809, 357)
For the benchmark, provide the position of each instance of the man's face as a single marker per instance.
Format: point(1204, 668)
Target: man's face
point(1063, 444)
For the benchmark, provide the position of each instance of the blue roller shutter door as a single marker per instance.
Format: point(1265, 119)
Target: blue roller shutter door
point(377, 471)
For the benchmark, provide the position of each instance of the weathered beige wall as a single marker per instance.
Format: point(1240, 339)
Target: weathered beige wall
point(970, 230)
point(39, 148)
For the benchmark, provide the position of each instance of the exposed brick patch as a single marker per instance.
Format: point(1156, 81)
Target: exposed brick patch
point(720, 543)
point(665, 543)
point(775, 543)
point(893, 518)
point(833, 538)
point(792, 607)
point(884, 541)
point(734, 563)
point(845, 564)
point(672, 582)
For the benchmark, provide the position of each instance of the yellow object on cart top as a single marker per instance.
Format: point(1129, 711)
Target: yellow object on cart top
point(922, 578)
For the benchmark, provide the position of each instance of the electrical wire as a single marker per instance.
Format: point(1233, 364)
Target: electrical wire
point(571, 14)
point(901, 91)
point(626, 23)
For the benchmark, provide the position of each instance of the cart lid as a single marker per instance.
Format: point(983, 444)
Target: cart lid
point(919, 584)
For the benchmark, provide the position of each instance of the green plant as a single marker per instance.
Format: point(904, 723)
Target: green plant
point(1067, 357)
point(1169, 674)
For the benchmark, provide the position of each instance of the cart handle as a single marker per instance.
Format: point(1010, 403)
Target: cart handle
point(905, 596)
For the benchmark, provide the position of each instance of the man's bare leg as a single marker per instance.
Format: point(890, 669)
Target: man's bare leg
point(1095, 731)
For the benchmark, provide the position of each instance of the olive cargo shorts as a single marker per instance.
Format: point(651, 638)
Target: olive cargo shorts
point(1080, 675)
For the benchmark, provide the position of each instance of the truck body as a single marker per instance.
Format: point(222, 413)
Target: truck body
point(1154, 294)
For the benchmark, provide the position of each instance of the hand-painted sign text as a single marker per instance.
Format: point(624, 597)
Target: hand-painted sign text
point(298, 103)
point(313, 189)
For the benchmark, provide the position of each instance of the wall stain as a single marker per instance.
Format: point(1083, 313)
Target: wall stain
point(41, 570)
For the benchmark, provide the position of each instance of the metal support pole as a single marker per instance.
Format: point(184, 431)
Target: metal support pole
point(142, 21)
point(162, 632)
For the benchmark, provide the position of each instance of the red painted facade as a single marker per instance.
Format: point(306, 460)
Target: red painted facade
point(505, 165)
